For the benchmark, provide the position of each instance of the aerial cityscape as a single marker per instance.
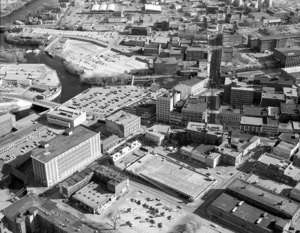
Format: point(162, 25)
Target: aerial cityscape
point(139, 116)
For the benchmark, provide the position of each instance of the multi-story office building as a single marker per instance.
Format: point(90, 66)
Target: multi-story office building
point(144, 108)
point(7, 122)
point(162, 24)
point(230, 37)
point(230, 117)
point(110, 142)
point(65, 154)
point(289, 112)
point(33, 214)
point(164, 105)
point(277, 169)
point(274, 41)
point(204, 133)
point(285, 150)
point(123, 124)
point(241, 96)
point(193, 110)
point(136, 41)
point(176, 53)
point(66, 117)
point(269, 99)
point(140, 30)
point(288, 57)
point(154, 137)
point(167, 65)
point(107, 186)
point(270, 126)
point(77, 181)
point(279, 12)
point(175, 117)
point(196, 53)
point(152, 49)
point(192, 86)
point(251, 124)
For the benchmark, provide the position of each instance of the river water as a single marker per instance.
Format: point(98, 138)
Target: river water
point(21, 13)
point(71, 85)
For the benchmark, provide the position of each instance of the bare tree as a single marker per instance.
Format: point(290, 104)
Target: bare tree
point(114, 217)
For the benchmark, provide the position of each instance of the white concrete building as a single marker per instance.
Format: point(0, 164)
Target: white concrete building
point(65, 154)
point(125, 151)
point(155, 137)
point(66, 117)
point(164, 105)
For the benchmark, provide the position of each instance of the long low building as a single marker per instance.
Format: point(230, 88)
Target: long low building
point(275, 204)
point(171, 176)
point(244, 217)
point(248, 208)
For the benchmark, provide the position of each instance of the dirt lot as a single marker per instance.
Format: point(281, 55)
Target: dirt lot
point(139, 212)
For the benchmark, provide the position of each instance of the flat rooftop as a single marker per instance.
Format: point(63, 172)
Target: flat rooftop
point(245, 212)
point(195, 107)
point(290, 138)
point(163, 172)
point(62, 143)
point(22, 205)
point(289, 51)
point(224, 109)
point(245, 120)
point(196, 126)
point(268, 95)
point(269, 159)
point(101, 102)
point(93, 195)
point(79, 176)
point(65, 112)
point(260, 196)
point(122, 118)
point(291, 70)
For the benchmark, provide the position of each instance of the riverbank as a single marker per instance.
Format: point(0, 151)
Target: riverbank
point(22, 13)
point(12, 55)
point(14, 105)
point(9, 6)
point(70, 84)
point(25, 39)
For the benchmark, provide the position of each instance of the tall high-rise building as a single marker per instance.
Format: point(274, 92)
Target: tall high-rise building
point(7, 122)
point(164, 105)
point(59, 158)
point(238, 3)
point(269, 3)
point(259, 4)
